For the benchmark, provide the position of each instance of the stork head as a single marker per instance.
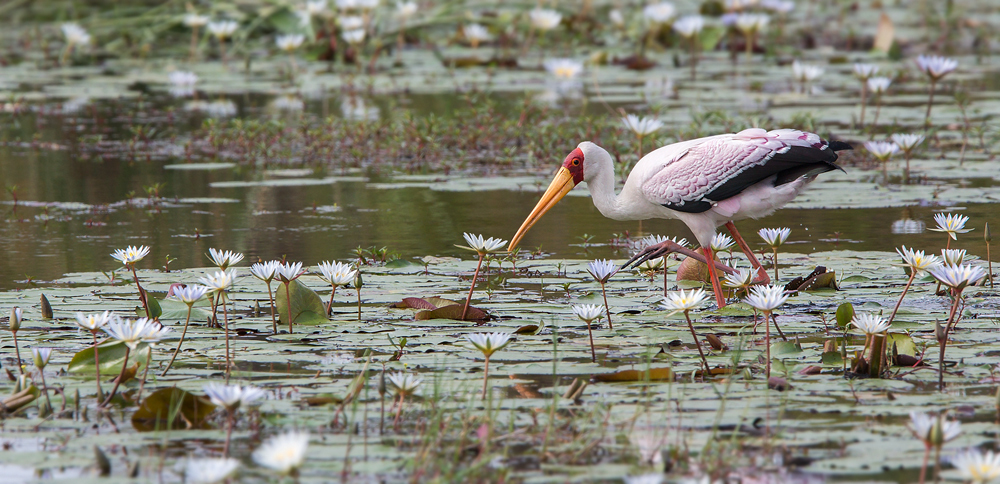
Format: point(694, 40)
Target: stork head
point(570, 174)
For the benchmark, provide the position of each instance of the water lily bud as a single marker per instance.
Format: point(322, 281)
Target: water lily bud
point(15, 319)
point(358, 282)
point(986, 233)
point(41, 357)
point(939, 332)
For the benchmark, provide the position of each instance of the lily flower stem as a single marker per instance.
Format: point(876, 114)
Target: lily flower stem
point(288, 302)
point(118, 381)
point(225, 322)
point(923, 468)
point(178, 350)
point(329, 306)
point(97, 367)
point(486, 375)
point(864, 102)
point(989, 263)
point(909, 282)
point(774, 319)
point(472, 287)
point(358, 289)
point(214, 321)
point(230, 422)
point(270, 297)
point(45, 389)
point(142, 294)
point(696, 343)
point(775, 264)
point(767, 342)
point(930, 102)
point(607, 308)
point(399, 411)
point(640, 146)
point(145, 372)
point(194, 44)
point(17, 353)
point(694, 57)
point(947, 331)
point(878, 109)
point(381, 420)
point(593, 353)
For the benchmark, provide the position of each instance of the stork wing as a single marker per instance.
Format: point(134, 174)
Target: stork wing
point(723, 167)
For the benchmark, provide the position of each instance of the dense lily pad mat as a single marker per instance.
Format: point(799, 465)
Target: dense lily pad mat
point(824, 423)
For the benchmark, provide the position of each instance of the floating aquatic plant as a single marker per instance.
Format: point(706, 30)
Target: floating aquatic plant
point(775, 238)
point(952, 225)
point(751, 25)
point(874, 327)
point(933, 432)
point(488, 343)
point(864, 72)
point(878, 86)
point(481, 247)
point(588, 313)
point(684, 302)
point(14, 324)
point(907, 143)
point(131, 333)
point(641, 127)
point(977, 466)
point(41, 356)
point(210, 470)
point(689, 27)
point(94, 323)
point(602, 270)
point(195, 22)
point(188, 295)
point(935, 67)
point(283, 453)
point(882, 151)
point(766, 299)
point(222, 30)
point(336, 274)
point(804, 74)
point(957, 278)
point(128, 257)
point(266, 272)
point(405, 384)
point(288, 272)
point(232, 398)
point(917, 262)
point(219, 284)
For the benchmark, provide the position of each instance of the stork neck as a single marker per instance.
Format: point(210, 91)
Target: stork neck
point(602, 190)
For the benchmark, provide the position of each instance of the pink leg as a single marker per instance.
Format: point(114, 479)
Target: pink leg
point(667, 247)
point(762, 276)
point(720, 298)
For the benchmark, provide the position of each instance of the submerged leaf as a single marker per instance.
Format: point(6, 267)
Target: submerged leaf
point(171, 408)
point(636, 375)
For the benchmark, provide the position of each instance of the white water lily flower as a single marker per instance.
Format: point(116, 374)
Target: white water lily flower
point(336, 273)
point(721, 241)
point(405, 10)
point(191, 293)
point(778, 6)
point(265, 271)
point(775, 237)
point(652, 478)
point(563, 68)
point(805, 72)
point(93, 322)
point(489, 343)
point(132, 332)
point(935, 66)
point(616, 17)
point(907, 142)
point(209, 470)
point(283, 453)
point(870, 323)
point(651, 265)
point(923, 427)
point(41, 357)
point(865, 71)
point(351, 22)
point(879, 85)
point(689, 26)
point(951, 223)
point(685, 301)
point(222, 29)
point(883, 150)
point(642, 126)
point(75, 34)
point(766, 298)
point(917, 260)
point(223, 260)
point(482, 246)
point(182, 78)
point(194, 20)
point(131, 254)
point(289, 271)
point(588, 312)
point(977, 466)
point(656, 89)
point(289, 42)
point(404, 383)
point(751, 23)
point(602, 270)
point(232, 397)
point(957, 277)
point(476, 33)
point(220, 281)
point(651, 240)
point(659, 13)
point(544, 19)
point(952, 256)
point(742, 279)
point(355, 36)
point(316, 7)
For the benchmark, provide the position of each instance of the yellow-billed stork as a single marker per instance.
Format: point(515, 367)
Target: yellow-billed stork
point(705, 183)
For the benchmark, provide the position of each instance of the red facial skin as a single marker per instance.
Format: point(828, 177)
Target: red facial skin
point(574, 163)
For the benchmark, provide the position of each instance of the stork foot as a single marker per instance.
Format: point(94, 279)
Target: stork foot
point(664, 248)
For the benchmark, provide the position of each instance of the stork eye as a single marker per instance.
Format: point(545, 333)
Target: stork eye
point(576, 161)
